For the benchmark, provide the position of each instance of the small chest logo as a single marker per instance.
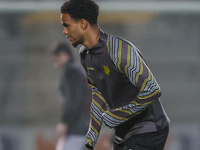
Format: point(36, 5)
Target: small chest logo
point(106, 70)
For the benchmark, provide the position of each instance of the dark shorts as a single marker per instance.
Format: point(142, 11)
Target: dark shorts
point(146, 141)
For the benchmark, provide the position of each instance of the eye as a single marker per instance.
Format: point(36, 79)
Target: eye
point(65, 25)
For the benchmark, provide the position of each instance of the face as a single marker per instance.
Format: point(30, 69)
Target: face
point(72, 30)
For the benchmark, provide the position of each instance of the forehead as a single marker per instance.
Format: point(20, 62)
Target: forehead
point(65, 18)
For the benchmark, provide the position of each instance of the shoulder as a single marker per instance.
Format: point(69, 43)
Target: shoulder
point(114, 39)
point(118, 44)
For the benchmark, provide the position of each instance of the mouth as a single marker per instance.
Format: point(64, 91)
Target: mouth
point(69, 37)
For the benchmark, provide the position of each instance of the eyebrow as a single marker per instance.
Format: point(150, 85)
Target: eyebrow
point(65, 24)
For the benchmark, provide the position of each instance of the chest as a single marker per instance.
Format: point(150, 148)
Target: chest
point(113, 84)
point(101, 68)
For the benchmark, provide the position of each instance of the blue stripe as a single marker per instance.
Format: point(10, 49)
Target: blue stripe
point(113, 119)
point(99, 112)
point(137, 68)
point(131, 66)
point(149, 83)
point(148, 92)
point(96, 115)
point(152, 82)
point(135, 109)
point(92, 136)
point(111, 49)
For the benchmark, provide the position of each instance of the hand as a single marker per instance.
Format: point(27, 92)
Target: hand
point(61, 128)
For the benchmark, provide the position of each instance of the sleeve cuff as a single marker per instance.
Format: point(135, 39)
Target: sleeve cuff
point(88, 146)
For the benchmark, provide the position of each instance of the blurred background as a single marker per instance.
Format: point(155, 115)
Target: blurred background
point(166, 32)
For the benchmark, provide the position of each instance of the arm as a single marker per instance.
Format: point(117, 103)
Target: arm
point(98, 106)
point(138, 73)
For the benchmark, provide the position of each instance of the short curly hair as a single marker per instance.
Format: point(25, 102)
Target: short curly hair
point(81, 9)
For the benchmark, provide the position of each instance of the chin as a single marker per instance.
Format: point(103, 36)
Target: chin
point(75, 44)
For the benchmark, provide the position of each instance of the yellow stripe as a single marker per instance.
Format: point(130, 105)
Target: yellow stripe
point(134, 102)
point(93, 129)
point(154, 93)
point(128, 60)
point(126, 111)
point(95, 119)
point(114, 116)
point(99, 106)
point(146, 80)
point(88, 77)
point(119, 55)
point(108, 46)
point(100, 97)
point(137, 104)
point(89, 141)
point(92, 86)
point(141, 70)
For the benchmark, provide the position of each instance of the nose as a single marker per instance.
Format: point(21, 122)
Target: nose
point(65, 31)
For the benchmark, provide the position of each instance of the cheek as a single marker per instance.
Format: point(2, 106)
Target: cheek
point(77, 33)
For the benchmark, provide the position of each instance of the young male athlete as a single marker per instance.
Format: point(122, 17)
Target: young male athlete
point(125, 92)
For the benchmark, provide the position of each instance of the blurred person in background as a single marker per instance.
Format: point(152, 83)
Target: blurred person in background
point(74, 93)
point(125, 94)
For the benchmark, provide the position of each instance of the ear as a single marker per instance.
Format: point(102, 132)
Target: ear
point(84, 24)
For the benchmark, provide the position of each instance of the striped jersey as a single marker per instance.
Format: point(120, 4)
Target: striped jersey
point(125, 94)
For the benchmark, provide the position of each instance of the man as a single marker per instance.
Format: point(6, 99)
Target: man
point(124, 91)
point(74, 96)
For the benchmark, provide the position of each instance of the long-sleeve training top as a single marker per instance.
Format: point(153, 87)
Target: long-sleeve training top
point(124, 91)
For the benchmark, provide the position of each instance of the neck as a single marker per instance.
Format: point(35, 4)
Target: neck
point(92, 37)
